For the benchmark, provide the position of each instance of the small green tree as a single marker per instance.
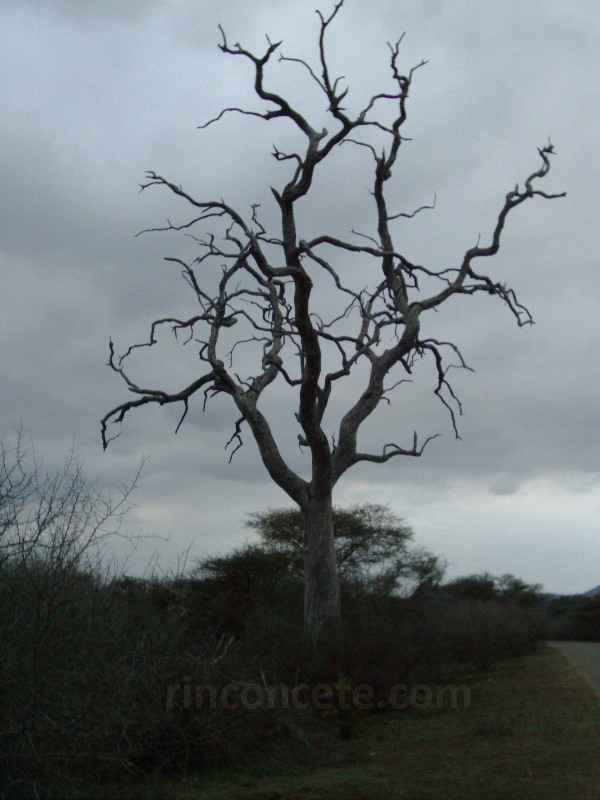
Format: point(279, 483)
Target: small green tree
point(474, 587)
point(488, 587)
point(517, 590)
point(372, 546)
point(374, 551)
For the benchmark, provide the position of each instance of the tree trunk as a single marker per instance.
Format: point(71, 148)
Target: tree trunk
point(322, 584)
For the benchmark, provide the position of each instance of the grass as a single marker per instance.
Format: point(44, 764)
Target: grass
point(532, 731)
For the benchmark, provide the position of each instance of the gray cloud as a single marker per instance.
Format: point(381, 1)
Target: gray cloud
point(95, 93)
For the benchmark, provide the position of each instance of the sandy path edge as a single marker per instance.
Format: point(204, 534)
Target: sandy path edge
point(585, 656)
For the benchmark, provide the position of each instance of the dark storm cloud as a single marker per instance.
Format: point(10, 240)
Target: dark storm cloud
point(93, 94)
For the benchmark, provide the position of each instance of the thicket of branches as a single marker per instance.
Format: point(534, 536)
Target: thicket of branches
point(84, 666)
point(87, 655)
point(262, 283)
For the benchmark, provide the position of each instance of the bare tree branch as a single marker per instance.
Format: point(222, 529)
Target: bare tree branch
point(415, 212)
point(263, 285)
point(391, 450)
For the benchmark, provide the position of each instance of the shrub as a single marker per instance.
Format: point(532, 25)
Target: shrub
point(575, 618)
point(373, 546)
point(86, 661)
point(488, 587)
point(89, 662)
point(487, 632)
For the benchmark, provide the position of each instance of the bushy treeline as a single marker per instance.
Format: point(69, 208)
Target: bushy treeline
point(86, 658)
point(575, 618)
point(89, 659)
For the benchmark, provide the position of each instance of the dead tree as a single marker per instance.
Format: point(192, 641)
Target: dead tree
point(265, 287)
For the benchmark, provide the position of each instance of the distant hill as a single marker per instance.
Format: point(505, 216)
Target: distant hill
point(592, 592)
point(554, 596)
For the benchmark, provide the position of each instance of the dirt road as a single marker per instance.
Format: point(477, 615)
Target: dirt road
point(585, 656)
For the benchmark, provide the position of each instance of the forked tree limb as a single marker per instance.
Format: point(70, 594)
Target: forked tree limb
point(262, 283)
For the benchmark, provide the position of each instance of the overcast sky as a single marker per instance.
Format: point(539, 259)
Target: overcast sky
point(95, 93)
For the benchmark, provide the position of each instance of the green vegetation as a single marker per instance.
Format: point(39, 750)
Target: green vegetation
point(488, 587)
point(373, 546)
point(532, 730)
point(575, 618)
point(94, 667)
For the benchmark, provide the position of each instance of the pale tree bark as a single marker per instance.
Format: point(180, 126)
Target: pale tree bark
point(266, 290)
point(321, 582)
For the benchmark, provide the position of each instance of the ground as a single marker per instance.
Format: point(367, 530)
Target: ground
point(532, 731)
point(585, 656)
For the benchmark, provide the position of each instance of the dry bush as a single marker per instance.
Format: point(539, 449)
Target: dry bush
point(86, 660)
point(483, 632)
point(574, 618)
